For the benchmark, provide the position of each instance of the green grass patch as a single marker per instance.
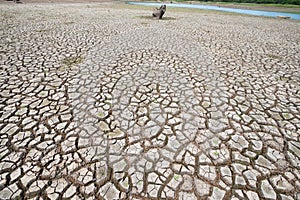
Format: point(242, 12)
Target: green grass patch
point(281, 5)
point(176, 177)
point(287, 116)
point(100, 114)
point(289, 8)
point(67, 23)
point(70, 61)
point(273, 56)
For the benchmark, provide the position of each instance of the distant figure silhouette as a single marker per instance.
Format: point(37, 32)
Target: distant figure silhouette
point(159, 12)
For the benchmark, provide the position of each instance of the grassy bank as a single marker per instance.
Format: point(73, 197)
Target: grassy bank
point(252, 6)
point(270, 2)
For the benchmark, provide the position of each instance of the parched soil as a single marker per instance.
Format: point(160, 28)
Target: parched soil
point(101, 101)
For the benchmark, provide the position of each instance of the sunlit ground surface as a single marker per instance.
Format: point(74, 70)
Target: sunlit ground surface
point(99, 101)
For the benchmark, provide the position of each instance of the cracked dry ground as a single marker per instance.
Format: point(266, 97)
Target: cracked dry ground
point(100, 102)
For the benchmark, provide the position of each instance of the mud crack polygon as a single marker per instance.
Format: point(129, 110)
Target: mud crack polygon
point(99, 105)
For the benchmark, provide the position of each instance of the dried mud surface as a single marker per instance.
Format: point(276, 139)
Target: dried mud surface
point(98, 101)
